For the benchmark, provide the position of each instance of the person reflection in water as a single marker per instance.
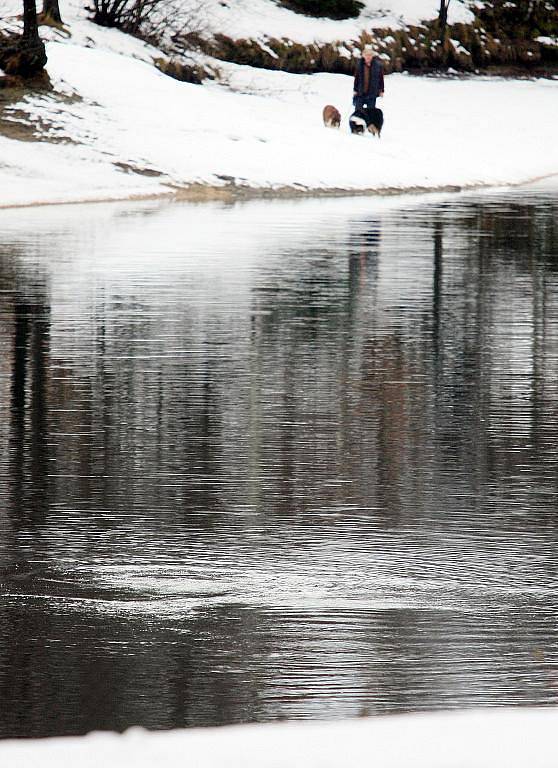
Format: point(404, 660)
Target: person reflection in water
point(363, 260)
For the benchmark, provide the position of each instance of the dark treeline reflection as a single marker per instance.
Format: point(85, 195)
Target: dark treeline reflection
point(277, 460)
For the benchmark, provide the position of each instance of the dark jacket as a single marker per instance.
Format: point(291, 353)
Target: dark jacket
point(375, 81)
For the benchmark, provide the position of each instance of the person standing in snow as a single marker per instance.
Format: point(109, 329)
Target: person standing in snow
point(369, 81)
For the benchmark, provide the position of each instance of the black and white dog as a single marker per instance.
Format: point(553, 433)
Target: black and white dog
point(367, 120)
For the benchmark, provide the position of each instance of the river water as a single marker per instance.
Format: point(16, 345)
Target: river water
point(277, 459)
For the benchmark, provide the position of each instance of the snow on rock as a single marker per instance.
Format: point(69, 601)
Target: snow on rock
point(134, 131)
point(476, 739)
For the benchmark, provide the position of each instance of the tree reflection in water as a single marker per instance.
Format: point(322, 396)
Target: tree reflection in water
point(290, 459)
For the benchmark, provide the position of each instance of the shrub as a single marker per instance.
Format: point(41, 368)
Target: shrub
point(151, 20)
point(128, 15)
point(523, 19)
point(178, 70)
point(333, 9)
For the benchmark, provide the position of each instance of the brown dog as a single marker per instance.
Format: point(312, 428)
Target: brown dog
point(332, 117)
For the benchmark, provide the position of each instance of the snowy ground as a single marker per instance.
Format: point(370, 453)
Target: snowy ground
point(264, 130)
point(117, 128)
point(264, 19)
point(260, 19)
point(478, 739)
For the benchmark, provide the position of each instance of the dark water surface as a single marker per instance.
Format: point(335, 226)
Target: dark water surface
point(277, 459)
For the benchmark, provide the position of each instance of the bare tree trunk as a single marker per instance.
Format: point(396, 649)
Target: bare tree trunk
point(25, 56)
point(51, 10)
point(30, 26)
point(33, 54)
point(443, 27)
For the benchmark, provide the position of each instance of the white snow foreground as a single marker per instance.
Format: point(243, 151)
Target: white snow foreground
point(495, 738)
point(127, 130)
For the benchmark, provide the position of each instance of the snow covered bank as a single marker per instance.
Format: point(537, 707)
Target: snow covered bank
point(123, 129)
point(115, 127)
point(262, 19)
point(476, 739)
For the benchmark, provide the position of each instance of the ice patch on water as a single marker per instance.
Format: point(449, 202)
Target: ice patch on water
point(166, 591)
